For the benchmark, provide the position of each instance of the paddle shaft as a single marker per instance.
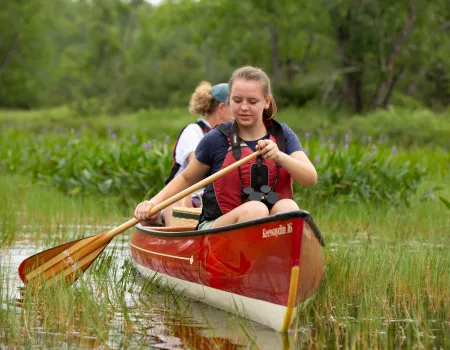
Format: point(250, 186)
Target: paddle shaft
point(83, 252)
point(164, 204)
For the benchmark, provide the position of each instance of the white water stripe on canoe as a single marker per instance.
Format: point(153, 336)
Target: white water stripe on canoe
point(191, 259)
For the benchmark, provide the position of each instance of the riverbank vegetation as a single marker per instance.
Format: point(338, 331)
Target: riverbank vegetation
point(381, 204)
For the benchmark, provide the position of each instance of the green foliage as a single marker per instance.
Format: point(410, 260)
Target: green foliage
point(446, 202)
point(131, 169)
point(294, 96)
point(118, 56)
point(134, 167)
point(405, 127)
point(360, 174)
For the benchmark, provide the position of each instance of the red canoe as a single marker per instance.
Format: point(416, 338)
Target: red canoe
point(260, 269)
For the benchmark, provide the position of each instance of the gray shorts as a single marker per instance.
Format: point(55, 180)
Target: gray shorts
point(205, 225)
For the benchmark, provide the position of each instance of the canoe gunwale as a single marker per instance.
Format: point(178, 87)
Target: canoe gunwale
point(303, 214)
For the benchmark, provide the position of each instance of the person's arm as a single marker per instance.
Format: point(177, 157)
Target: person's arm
point(297, 163)
point(194, 173)
point(191, 157)
point(299, 166)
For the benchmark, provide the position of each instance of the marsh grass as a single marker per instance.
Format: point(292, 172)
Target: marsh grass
point(386, 284)
point(109, 306)
point(381, 295)
point(43, 214)
point(387, 277)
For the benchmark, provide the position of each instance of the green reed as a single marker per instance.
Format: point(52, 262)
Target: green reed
point(380, 294)
point(111, 305)
point(386, 273)
point(39, 213)
point(387, 276)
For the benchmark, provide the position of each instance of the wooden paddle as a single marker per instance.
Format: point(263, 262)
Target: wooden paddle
point(68, 261)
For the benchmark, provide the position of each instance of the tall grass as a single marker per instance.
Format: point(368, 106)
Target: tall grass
point(34, 213)
point(110, 306)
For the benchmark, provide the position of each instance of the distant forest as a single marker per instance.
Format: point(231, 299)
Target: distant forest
point(114, 56)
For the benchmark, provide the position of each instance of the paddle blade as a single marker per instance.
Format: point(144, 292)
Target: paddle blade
point(67, 261)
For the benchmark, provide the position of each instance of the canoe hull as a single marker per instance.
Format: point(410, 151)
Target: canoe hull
point(260, 270)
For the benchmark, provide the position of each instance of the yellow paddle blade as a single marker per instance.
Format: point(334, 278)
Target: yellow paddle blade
point(67, 261)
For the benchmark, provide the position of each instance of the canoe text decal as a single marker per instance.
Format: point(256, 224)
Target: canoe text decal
point(277, 231)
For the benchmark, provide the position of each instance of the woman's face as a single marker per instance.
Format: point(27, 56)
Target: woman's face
point(247, 102)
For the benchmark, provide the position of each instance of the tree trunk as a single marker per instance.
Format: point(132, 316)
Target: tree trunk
point(277, 67)
point(352, 81)
point(383, 91)
point(292, 69)
point(9, 56)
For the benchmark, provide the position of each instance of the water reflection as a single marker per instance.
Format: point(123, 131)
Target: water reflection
point(161, 320)
point(136, 324)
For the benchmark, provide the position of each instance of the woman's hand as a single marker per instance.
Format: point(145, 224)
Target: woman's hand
point(142, 211)
point(269, 150)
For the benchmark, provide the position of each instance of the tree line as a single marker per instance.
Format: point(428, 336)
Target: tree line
point(111, 56)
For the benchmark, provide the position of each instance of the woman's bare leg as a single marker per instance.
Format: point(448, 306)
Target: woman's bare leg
point(284, 205)
point(248, 211)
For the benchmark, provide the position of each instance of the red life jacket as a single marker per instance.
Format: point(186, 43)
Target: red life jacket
point(225, 193)
point(175, 166)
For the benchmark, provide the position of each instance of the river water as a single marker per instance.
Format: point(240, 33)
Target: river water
point(158, 326)
point(162, 320)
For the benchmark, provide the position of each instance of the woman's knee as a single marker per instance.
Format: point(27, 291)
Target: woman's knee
point(284, 205)
point(254, 210)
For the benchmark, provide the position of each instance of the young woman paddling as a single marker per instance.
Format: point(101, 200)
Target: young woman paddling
point(261, 187)
point(209, 102)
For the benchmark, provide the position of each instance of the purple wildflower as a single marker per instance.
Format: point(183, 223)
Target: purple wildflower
point(112, 134)
point(394, 150)
point(147, 145)
point(369, 139)
point(347, 138)
point(374, 148)
point(133, 139)
point(316, 160)
point(331, 147)
point(346, 146)
point(166, 140)
point(307, 135)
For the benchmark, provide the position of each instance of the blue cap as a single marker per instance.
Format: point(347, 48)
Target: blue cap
point(220, 92)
